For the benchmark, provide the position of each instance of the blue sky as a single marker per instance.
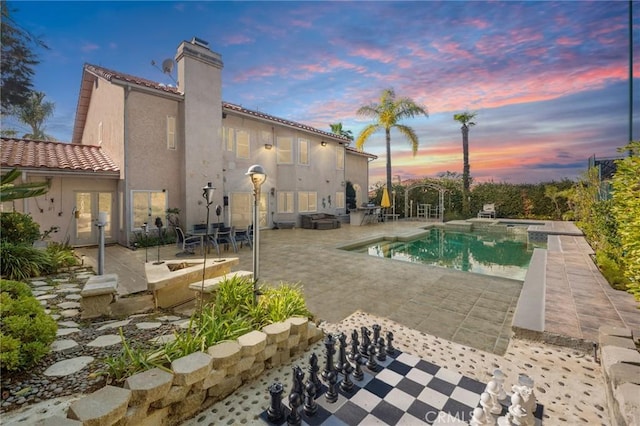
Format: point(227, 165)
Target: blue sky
point(549, 80)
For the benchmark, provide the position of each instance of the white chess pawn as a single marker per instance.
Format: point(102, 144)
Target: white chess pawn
point(526, 382)
point(479, 418)
point(499, 378)
point(493, 391)
point(486, 405)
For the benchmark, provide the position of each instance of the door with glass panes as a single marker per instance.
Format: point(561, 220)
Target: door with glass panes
point(88, 206)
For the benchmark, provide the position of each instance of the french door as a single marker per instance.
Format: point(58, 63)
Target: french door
point(88, 206)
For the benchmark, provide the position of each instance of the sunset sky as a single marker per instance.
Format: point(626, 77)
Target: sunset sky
point(549, 80)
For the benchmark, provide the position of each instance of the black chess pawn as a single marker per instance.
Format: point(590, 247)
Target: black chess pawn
point(381, 353)
point(295, 401)
point(342, 353)
point(330, 349)
point(366, 340)
point(354, 345)
point(357, 369)
point(276, 409)
point(376, 332)
point(346, 384)
point(371, 362)
point(390, 349)
point(313, 372)
point(310, 406)
point(332, 394)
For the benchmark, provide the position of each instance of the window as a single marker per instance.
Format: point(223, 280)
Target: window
point(147, 206)
point(171, 132)
point(228, 137)
point(307, 202)
point(285, 148)
point(242, 144)
point(241, 209)
point(285, 202)
point(340, 157)
point(100, 133)
point(339, 200)
point(303, 151)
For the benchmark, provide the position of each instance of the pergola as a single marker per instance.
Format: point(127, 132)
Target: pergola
point(434, 186)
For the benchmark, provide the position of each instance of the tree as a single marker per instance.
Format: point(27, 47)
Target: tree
point(18, 61)
point(465, 119)
point(10, 191)
point(34, 113)
point(387, 114)
point(338, 130)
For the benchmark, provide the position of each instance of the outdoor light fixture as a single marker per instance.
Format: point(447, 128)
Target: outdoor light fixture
point(207, 194)
point(257, 175)
point(268, 146)
point(323, 143)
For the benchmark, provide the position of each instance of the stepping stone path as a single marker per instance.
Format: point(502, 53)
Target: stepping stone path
point(65, 346)
point(67, 331)
point(68, 366)
point(148, 325)
point(106, 340)
point(114, 324)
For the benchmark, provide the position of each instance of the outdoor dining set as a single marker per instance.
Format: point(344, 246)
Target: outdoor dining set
point(217, 235)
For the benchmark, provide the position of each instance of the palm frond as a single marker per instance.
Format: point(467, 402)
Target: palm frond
point(410, 134)
point(365, 133)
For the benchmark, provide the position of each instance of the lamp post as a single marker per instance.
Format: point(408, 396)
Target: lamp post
point(207, 194)
point(146, 242)
point(257, 175)
point(159, 226)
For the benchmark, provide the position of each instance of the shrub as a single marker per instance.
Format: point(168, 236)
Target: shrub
point(18, 228)
point(20, 261)
point(59, 256)
point(26, 332)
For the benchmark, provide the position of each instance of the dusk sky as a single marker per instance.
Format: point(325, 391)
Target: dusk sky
point(549, 80)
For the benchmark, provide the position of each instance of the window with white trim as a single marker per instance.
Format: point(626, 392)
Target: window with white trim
point(147, 206)
point(285, 202)
point(340, 157)
point(285, 150)
point(303, 152)
point(339, 200)
point(171, 132)
point(307, 201)
point(242, 144)
point(228, 138)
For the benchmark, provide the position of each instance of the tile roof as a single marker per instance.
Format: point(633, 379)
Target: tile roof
point(26, 153)
point(109, 75)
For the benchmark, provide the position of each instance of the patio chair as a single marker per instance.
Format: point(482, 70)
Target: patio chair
point(245, 236)
point(488, 211)
point(226, 236)
point(213, 239)
point(187, 244)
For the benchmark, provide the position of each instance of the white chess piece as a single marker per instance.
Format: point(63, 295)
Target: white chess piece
point(529, 396)
point(486, 404)
point(517, 413)
point(499, 378)
point(479, 418)
point(493, 391)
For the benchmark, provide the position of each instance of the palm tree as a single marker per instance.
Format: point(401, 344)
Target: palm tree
point(338, 130)
point(465, 119)
point(388, 113)
point(34, 113)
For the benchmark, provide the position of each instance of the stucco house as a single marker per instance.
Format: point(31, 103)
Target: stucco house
point(140, 147)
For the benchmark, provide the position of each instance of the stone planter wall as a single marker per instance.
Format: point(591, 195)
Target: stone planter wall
point(196, 381)
point(620, 363)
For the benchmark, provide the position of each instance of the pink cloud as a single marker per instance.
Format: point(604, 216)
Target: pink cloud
point(237, 39)
point(372, 54)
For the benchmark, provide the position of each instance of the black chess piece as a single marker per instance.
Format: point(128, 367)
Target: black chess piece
point(310, 406)
point(390, 349)
point(276, 409)
point(357, 369)
point(342, 353)
point(376, 332)
point(366, 340)
point(330, 349)
point(313, 372)
point(354, 344)
point(295, 401)
point(381, 353)
point(346, 384)
point(332, 394)
point(371, 362)
point(298, 377)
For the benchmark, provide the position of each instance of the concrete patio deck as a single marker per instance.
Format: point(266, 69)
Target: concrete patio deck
point(469, 309)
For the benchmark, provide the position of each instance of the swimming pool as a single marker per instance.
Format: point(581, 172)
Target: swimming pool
point(498, 254)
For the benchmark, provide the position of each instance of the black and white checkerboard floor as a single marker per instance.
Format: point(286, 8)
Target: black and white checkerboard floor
point(405, 390)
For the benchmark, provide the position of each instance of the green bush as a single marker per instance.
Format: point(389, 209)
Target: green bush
point(18, 228)
point(59, 256)
point(26, 332)
point(20, 261)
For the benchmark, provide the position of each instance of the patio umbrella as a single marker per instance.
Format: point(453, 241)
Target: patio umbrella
point(385, 203)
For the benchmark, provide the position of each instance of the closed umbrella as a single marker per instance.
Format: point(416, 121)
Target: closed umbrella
point(385, 203)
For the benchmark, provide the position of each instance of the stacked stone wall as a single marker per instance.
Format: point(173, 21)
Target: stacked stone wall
point(196, 381)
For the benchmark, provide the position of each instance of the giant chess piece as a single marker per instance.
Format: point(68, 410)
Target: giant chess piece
point(346, 384)
point(526, 384)
point(275, 412)
point(381, 353)
point(479, 418)
point(517, 412)
point(376, 332)
point(366, 341)
point(310, 406)
point(354, 345)
point(371, 362)
point(330, 349)
point(499, 377)
point(342, 353)
point(492, 390)
point(332, 393)
point(357, 369)
point(295, 401)
point(313, 372)
point(390, 349)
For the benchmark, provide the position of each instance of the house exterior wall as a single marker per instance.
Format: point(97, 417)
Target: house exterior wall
point(357, 172)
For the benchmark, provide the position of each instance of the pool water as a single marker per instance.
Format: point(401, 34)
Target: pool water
point(498, 254)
